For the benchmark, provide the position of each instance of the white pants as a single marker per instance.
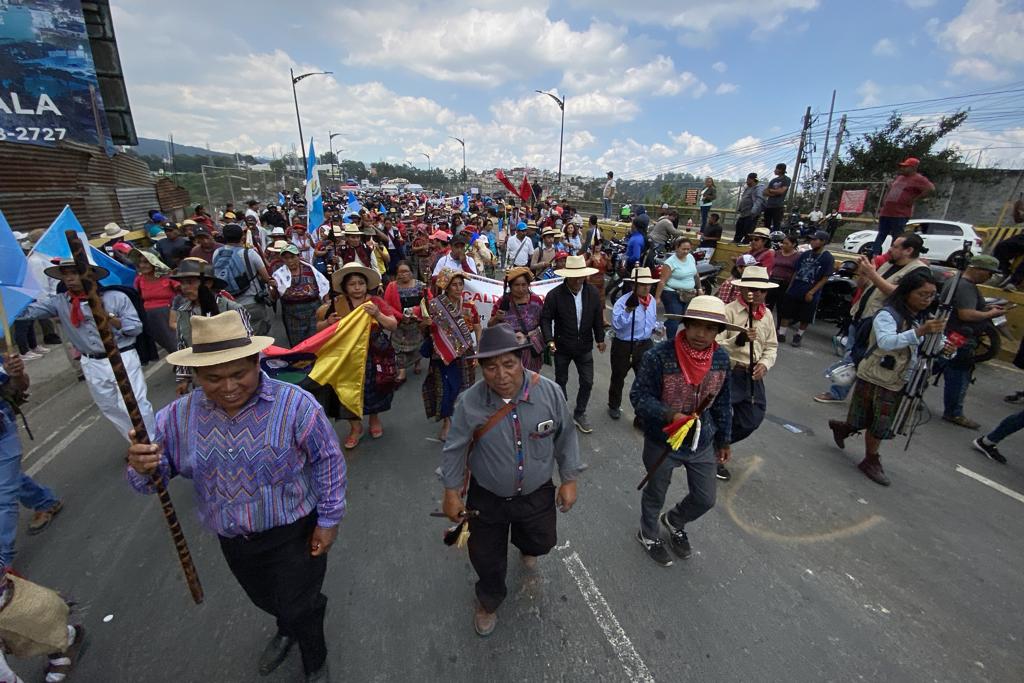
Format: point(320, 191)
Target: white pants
point(100, 378)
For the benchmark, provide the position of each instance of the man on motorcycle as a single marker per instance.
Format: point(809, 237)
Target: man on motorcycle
point(665, 230)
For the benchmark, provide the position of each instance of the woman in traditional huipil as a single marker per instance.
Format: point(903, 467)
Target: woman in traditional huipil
point(520, 308)
point(454, 325)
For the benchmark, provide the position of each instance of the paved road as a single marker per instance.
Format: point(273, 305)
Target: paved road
point(804, 571)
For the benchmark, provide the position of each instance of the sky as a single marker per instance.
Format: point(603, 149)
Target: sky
point(713, 87)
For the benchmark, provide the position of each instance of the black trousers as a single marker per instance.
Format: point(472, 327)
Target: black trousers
point(278, 574)
point(748, 404)
point(531, 520)
point(584, 369)
point(773, 217)
point(744, 226)
point(622, 364)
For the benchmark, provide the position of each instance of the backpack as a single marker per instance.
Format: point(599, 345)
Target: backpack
point(862, 346)
point(230, 266)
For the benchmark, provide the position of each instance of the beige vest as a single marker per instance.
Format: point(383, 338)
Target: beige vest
point(876, 298)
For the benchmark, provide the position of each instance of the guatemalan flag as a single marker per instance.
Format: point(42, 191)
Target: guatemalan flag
point(53, 244)
point(314, 199)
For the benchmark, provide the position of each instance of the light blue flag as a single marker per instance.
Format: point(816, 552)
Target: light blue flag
point(383, 209)
point(353, 204)
point(53, 244)
point(465, 202)
point(18, 287)
point(281, 199)
point(314, 198)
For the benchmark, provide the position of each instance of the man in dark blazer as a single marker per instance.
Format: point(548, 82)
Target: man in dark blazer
point(572, 319)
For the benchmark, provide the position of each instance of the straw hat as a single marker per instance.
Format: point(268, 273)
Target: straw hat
point(498, 339)
point(277, 246)
point(54, 271)
point(550, 231)
point(642, 276)
point(707, 308)
point(755, 277)
point(352, 229)
point(159, 266)
point(513, 273)
point(761, 232)
point(196, 267)
point(338, 278)
point(219, 339)
point(113, 231)
point(576, 266)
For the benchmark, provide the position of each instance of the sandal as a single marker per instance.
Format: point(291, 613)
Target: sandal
point(58, 670)
point(353, 439)
point(416, 368)
point(376, 431)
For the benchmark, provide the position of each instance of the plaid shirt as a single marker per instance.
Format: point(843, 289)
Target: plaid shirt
point(271, 464)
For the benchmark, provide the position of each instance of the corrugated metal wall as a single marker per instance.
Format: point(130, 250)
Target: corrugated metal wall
point(37, 182)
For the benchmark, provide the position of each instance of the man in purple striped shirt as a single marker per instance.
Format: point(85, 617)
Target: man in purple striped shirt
point(269, 478)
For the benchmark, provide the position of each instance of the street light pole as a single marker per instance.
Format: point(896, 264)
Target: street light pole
point(463, 143)
point(334, 160)
point(428, 160)
point(561, 132)
point(295, 96)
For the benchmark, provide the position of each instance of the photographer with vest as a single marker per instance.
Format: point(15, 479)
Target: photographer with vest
point(897, 330)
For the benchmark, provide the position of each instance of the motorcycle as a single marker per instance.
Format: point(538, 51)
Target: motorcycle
point(707, 272)
point(837, 295)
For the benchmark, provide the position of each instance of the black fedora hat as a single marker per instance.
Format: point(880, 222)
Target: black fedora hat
point(497, 340)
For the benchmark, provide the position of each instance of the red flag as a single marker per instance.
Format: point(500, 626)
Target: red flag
point(503, 179)
point(524, 189)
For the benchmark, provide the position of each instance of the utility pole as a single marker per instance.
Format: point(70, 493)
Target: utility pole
point(463, 143)
point(799, 155)
point(824, 152)
point(835, 162)
point(295, 97)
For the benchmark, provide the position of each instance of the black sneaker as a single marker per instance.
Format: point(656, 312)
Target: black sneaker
point(781, 338)
point(614, 413)
point(1015, 398)
point(797, 340)
point(723, 473)
point(989, 450)
point(655, 549)
point(678, 539)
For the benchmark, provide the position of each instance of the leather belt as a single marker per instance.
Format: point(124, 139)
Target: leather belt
point(101, 356)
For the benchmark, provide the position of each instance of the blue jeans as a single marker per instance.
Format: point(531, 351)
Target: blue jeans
point(673, 304)
point(887, 226)
point(704, 211)
point(1009, 425)
point(15, 488)
point(956, 378)
point(700, 480)
point(839, 392)
point(607, 207)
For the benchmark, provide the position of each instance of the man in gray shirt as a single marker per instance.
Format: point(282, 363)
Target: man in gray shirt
point(516, 428)
point(665, 230)
point(751, 203)
point(254, 297)
point(775, 198)
point(70, 305)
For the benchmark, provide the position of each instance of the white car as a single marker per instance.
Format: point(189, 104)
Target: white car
point(941, 238)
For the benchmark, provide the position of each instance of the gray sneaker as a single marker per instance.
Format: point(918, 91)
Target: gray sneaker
point(582, 423)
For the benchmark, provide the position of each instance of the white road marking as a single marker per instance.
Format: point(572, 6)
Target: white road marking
point(635, 668)
point(148, 372)
point(60, 446)
point(54, 434)
point(992, 484)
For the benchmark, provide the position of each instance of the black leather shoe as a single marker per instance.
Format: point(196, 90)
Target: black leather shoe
point(274, 653)
point(321, 675)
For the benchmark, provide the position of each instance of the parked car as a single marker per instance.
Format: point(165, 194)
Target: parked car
point(943, 239)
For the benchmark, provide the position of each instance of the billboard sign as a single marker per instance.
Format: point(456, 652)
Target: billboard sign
point(48, 86)
point(852, 201)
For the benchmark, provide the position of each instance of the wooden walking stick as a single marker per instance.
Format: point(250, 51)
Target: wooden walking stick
point(750, 343)
point(102, 319)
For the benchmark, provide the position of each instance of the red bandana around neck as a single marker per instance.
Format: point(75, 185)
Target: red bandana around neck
point(77, 317)
point(694, 364)
point(758, 312)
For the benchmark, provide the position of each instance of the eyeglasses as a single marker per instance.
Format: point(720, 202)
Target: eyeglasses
point(926, 295)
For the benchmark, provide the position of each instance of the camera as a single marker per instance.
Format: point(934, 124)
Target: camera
point(888, 362)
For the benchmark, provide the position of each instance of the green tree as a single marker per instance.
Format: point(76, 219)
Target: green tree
point(874, 156)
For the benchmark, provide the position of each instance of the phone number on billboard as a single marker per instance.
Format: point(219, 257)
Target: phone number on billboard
point(31, 133)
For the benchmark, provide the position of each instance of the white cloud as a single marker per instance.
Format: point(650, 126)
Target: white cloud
point(744, 144)
point(1003, 149)
point(988, 37)
point(726, 88)
point(978, 68)
point(884, 48)
point(720, 67)
point(692, 145)
point(655, 78)
point(869, 92)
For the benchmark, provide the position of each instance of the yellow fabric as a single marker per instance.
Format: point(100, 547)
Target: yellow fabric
point(676, 439)
point(35, 621)
point(341, 361)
